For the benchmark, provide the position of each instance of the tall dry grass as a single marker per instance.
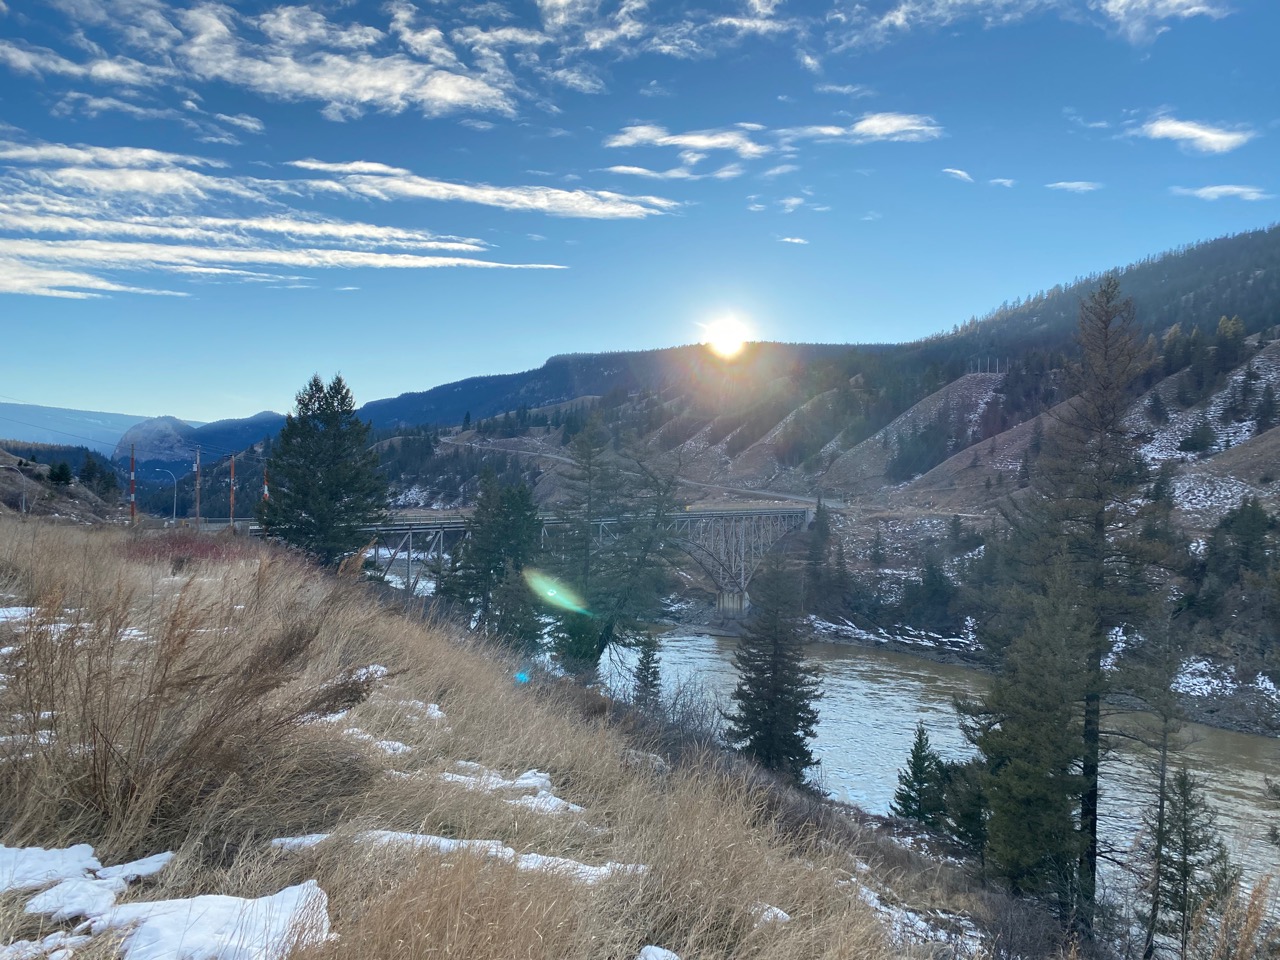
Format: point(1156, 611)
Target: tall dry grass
point(163, 694)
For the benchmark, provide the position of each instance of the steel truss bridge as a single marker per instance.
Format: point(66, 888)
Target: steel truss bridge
point(728, 544)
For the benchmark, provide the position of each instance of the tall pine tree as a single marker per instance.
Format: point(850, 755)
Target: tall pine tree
point(1084, 521)
point(774, 717)
point(325, 484)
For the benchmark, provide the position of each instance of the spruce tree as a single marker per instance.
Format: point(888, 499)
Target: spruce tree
point(1193, 876)
point(325, 483)
point(647, 678)
point(774, 717)
point(921, 783)
point(1084, 520)
point(1029, 731)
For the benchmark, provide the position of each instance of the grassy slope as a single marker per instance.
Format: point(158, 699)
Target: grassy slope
point(155, 696)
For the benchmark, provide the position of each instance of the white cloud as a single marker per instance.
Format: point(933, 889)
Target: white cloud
point(958, 174)
point(589, 204)
point(871, 215)
point(791, 204)
point(780, 169)
point(301, 26)
point(798, 240)
point(242, 120)
point(809, 61)
point(1002, 182)
point(353, 166)
point(1199, 137)
point(650, 135)
point(1222, 191)
point(348, 82)
point(910, 127)
point(870, 128)
point(21, 277)
point(119, 71)
point(38, 153)
point(845, 89)
point(1142, 20)
point(675, 173)
point(1075, 186)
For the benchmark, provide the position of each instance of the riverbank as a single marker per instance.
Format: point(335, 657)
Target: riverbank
point(1209, 694)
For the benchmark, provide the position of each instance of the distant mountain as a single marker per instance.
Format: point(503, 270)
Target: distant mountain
point(570, 376)
point(98, 431)
point(166, 441)
point(1195, 285)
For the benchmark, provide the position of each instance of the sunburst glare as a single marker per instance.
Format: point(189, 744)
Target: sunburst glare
point(726, 336)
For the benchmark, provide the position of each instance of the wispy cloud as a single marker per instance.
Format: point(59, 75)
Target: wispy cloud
point(870, 128)
point(72, 217)
point(845, 89)
point(1138, 21)
point(1001, 182)
point(1075, 186)
point(1141, 21)
point(41, 153)
point(957, 174)
point(779, 170)
point(1223, 191)
point(1200, 137)
point(734, 139)
point(796, 240)
point(243, 121)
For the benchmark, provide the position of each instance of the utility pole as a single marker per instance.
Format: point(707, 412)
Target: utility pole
point(266, 489)
point(133, 496)
point(197, 486)
point(233, 493)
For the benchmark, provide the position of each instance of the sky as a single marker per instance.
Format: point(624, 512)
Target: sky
point(203, 203)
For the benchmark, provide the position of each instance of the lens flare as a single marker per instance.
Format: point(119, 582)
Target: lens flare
point(726, 336)
point(553, 591)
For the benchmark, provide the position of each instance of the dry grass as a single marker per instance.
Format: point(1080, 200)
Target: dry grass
point(161, 697)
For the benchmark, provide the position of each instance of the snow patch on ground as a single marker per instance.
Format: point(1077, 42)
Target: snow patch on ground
point(909, 926)
point(221, 927)
point(543, 800)
point(1199, 678)
point(494, 849)
point(825, 630)
point(390, 747)
point(77, 897)
point(1213, 496)
point(28, 868)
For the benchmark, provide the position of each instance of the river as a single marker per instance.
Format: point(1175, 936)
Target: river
point(873, 698)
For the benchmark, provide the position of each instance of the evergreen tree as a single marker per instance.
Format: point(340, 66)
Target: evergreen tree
point(1264, 414)
point(816, 586)
point(1029, 734)
point(1193, 876)
point(60, 473)
point(774, 716)
point(620, 575)
point(921, 783)
point(325, 485)
point(1082, 523)
point(647, 678)
point(503, 533)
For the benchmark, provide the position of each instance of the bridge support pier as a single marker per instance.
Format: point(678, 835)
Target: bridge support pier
point(732, 604)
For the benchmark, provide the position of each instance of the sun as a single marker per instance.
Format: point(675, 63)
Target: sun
point(726, 336)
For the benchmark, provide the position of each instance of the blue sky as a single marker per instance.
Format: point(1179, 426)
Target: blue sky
point(202, 203)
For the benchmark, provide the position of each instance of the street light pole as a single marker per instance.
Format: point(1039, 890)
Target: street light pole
point(175, 492)
point(22, 487)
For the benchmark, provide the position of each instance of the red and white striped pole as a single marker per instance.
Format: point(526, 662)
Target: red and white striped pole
point(133, 496)
point(233, 493)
